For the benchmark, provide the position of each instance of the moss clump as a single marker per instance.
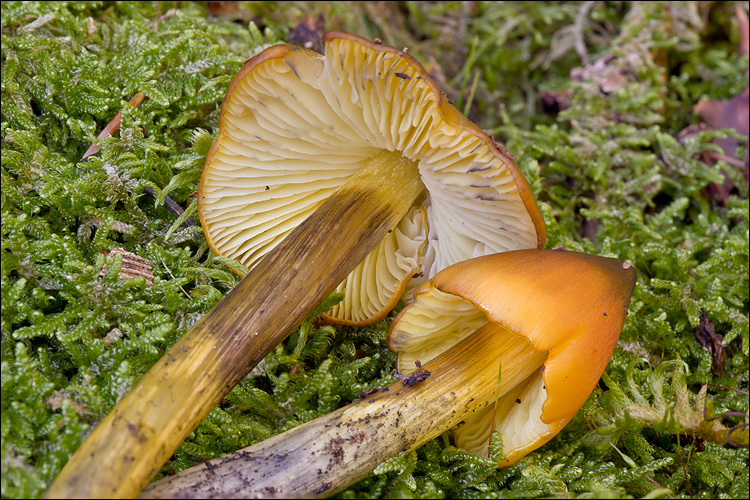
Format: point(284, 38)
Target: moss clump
point(611, 176)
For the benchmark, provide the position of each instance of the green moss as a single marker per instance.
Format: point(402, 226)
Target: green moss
point(611, 177)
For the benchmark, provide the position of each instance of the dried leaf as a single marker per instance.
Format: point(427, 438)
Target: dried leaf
point(730, 114)
point(56, 399)
point(712, 342)
point(609, 73)
point(132, 266)
point(554, 101)
point(112, 336)
point(230, 10)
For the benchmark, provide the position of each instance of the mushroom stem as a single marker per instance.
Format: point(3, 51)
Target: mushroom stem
point(328, 454)
point(132, 443)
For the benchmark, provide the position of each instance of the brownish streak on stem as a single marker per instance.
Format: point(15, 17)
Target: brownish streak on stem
point(328, 454)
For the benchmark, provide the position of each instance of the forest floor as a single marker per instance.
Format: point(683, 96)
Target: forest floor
point(628, 119)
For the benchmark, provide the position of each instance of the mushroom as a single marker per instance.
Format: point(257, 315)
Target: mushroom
point(548, 320)
point(327, 168)
point(297, 126)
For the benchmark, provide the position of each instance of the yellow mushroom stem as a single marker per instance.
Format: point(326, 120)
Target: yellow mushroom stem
point(134, 441)
point(328, 454)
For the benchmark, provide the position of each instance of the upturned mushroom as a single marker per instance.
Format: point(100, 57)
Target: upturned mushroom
point(298, 126)
point(547, 320)
point(347, 169)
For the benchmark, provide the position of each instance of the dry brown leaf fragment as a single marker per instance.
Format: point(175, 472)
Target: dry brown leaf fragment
point(733, 114)
point(38, 23)
point(112, 336)
point(712, 342)
point(232, 11)
point(56, 399)
point(730, 114)
point(133, 266)
point(742, 22)
point(554, 101)
point(120, 227)
point(608, 73)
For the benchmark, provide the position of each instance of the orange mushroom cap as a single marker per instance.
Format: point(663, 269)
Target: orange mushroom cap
point(570, 305)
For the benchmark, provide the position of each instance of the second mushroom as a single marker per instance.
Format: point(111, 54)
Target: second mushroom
point(547, 320)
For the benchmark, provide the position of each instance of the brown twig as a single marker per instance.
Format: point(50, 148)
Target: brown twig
point(729, 414)
point(172, 206)
point(112, 126)
point(660, 486)
point(684, 470)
